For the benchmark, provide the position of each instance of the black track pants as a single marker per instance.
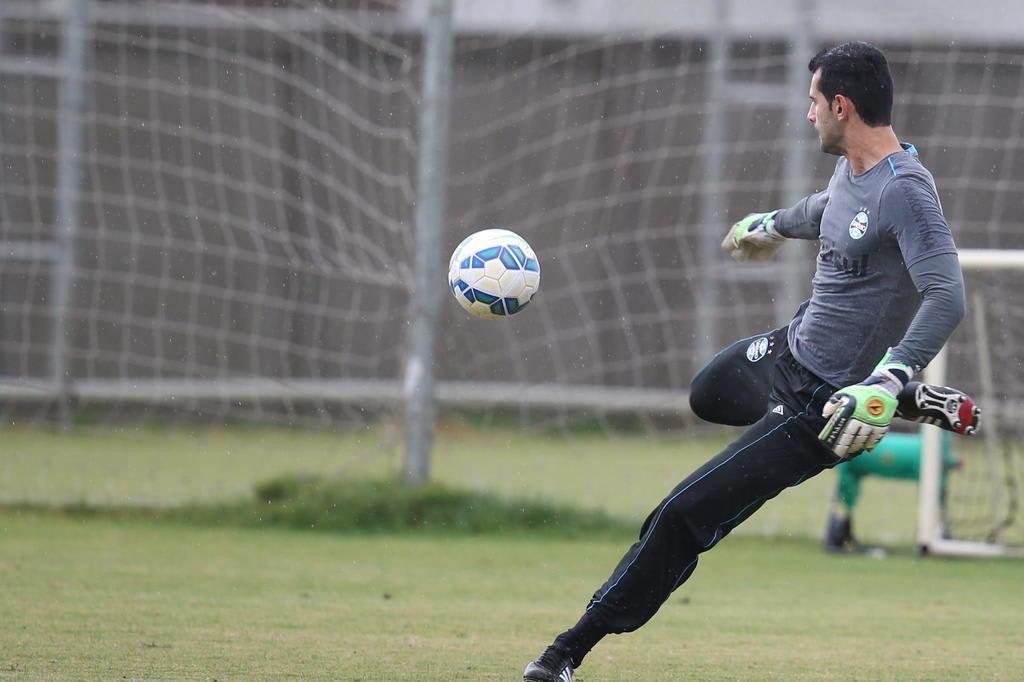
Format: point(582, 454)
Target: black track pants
point(780, 450)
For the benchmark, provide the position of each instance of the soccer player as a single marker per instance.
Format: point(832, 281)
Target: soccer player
point(887, 293)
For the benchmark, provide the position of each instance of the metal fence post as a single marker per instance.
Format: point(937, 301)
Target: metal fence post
point(432, 180)
point(795, 281)
point(69, 178)
point(712, 205)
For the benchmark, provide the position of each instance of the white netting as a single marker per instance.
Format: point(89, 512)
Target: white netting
point(593, 149)
point(983, 497)
point(243, 242)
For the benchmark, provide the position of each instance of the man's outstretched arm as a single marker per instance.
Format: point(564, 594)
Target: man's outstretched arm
point(757, 236)
point(803, 219)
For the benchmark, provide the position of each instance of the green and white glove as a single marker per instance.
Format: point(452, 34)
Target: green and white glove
point(859, 415)
point(753, 238)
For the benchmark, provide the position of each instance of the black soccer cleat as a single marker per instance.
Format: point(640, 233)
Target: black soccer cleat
point(948, 408)
point(554, 665)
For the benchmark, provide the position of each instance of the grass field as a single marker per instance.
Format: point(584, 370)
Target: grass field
point(95, 599)
point(130, 598)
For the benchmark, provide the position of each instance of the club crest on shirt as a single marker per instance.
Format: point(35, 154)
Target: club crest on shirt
point(859, 224)
point(758, 348)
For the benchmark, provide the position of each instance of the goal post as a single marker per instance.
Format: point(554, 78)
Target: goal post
point(992, 529)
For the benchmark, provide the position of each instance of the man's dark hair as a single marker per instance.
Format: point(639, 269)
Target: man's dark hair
point(860, 72)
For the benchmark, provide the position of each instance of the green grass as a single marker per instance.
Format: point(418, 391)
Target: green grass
point(130, 597)
point(623, 475)
point(103, 599)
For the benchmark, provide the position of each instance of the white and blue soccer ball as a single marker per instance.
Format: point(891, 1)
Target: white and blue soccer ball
point(493, 273)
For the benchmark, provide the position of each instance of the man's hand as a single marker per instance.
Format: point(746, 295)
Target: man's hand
point(859, 415)
point(753, 238)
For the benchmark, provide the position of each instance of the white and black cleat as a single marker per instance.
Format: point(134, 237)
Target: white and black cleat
point(554, 665)
point(942, 406)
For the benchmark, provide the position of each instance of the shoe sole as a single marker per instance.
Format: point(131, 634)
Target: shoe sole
point(958, 412)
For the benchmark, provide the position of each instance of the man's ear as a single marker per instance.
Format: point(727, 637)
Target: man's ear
point(842, 107)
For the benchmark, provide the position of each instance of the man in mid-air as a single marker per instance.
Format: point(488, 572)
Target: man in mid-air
point(887, 294)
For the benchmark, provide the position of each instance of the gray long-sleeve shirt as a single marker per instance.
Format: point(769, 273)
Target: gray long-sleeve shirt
point(887, 272)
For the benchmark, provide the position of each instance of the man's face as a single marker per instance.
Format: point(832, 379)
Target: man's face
point(821, 116)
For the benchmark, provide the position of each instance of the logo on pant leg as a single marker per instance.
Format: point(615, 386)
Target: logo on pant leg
point(758, 348)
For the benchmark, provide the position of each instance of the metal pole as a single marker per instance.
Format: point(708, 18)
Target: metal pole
point(794, 282)
point(712, 213)
point(69, 177)
point(929, 519)
point(420, 385)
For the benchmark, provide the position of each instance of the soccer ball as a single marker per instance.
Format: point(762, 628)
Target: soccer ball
point(493, 273)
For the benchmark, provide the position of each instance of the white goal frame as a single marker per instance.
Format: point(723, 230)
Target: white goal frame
point(930, 538)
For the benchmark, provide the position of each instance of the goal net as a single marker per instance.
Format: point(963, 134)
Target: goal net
point(241, 238)
point(977, 509)
point(240, 243)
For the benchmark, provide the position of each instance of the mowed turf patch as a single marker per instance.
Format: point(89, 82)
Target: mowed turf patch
point(105, 599)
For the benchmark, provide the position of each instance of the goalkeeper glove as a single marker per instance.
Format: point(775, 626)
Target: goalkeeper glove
point(859, 415)
point(753, 238)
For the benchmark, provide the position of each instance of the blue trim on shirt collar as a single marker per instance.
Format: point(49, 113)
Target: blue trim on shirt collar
point(892, 166)
point(909, 148)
